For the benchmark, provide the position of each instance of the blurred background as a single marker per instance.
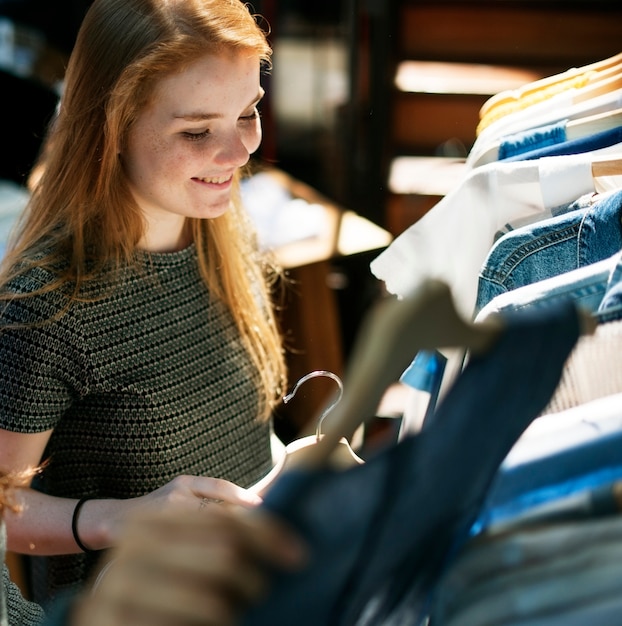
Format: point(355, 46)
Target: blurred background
point(373, 104)
point(355, 84)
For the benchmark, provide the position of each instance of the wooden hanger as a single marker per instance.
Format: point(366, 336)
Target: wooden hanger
point(582, 88)
point(598, 88)
point(607, 166)
point(341, 457)
point(389, 337)
point(569, 77)
point(591, 124)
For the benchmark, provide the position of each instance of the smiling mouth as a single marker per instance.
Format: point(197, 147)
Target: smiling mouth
point(216, 180)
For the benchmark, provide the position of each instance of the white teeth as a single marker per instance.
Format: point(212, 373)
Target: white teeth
point(216, 181)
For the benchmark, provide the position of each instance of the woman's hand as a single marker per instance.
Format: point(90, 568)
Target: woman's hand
point(44, 525)
point(188, 567)
point(192, 492)
point(101, 521)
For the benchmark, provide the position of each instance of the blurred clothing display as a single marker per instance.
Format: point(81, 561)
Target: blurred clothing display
point(381, 532)
point(545, 548)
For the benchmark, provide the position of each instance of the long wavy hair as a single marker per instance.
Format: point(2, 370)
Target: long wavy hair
point(82, 216)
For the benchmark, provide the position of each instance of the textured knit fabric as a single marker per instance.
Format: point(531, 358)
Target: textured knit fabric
point(14, 609)
point(143, 381)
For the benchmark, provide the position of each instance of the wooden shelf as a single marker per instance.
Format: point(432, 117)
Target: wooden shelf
point(511, 32)
point(416, 184)
point(432, 176)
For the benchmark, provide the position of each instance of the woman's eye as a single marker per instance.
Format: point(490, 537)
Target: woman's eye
point(196, 136)
point(253, 116)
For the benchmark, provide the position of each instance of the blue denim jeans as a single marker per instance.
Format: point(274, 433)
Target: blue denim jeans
point(560, 244)
point(381, 532)
point(588, 287)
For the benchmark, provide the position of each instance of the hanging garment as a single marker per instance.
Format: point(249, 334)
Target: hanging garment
point(588, 287)
point(451, 241)
point(611, 304)
point(562, 106)
point(602, 139)
point(380, 532)
point(594, 368)
point(532, 139)
point(425, 373)
point(557, 466)
point(563, 574)
point(563, 131)
point(579, 234)
point(551, 247)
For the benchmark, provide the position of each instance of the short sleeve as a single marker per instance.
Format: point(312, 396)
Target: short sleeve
point(38, 365)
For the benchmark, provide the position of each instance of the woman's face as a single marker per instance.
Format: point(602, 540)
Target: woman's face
point(201, 126)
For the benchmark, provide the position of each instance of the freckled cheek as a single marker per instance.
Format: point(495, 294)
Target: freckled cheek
point(165, 161)
point(148, 155)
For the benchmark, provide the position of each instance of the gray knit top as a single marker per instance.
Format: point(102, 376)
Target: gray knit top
point(144, 380)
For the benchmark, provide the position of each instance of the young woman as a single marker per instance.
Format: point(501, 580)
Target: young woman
point(139, 353)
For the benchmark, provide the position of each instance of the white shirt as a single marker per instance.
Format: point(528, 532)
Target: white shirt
point(451, 241)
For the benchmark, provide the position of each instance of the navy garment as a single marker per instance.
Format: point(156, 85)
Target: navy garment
point(597, 141)
point(381, 532)
point(532, 139)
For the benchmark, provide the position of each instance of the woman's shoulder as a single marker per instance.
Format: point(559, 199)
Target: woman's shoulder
point(29, 280)
point(31, 271)
point(32, 292)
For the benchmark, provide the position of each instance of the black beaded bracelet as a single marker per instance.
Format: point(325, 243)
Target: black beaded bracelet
point(74, 524)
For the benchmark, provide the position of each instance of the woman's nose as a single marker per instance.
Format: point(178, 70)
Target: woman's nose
point(233, 151)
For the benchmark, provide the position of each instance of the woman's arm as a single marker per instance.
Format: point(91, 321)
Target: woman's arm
point(43, 526)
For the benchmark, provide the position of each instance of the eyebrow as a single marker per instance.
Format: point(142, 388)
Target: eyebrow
point(200, 116)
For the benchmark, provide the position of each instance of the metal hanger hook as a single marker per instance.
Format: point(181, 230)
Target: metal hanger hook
point(327, 410)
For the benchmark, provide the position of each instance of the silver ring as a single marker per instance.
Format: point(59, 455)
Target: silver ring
point(206, 501)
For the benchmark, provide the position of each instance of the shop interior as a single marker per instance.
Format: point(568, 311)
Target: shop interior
point(372, 112)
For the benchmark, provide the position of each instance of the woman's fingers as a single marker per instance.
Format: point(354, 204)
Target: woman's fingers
point(194, 567)
point(241, 532)
point(213, 490)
